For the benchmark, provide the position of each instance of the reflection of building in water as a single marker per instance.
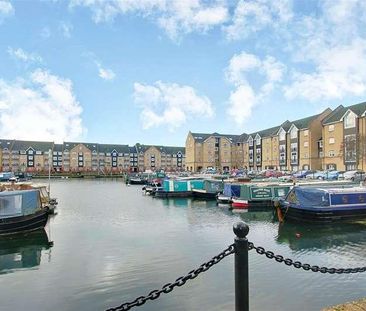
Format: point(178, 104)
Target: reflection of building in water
point(301, 236)
point(22, 251)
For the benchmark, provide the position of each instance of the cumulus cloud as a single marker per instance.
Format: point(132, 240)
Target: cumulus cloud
point(334, 43)
point(6, 8)
point(24, 56)
point(175, 17)
point(170, 104)
point(42, 107)
point(253, 16)
point(245, 97)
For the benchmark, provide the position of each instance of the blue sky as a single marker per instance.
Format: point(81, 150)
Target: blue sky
point(148, 71)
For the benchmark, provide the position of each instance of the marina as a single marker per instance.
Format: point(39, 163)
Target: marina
point(123, 244)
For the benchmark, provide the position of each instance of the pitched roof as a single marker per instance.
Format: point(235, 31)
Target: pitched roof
point(57, 147)
point(268, 132)
point(339, 112)
point(242, 138)
point(107, 148)
point(201, 137)
point(304, 122)
point(70, 145)
point(42, 146)
point(6, 143)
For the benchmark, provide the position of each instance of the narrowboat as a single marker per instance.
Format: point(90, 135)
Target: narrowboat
point(178, 188)
point(21, 211)
point(230, 191)
point(210, 190)
point(262, 194)
point(323, 204)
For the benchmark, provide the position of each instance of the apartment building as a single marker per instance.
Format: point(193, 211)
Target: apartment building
point(344, 138)
point(76, 157)
point(204, 151)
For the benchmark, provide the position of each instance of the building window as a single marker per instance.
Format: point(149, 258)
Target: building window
point(331, 140)
point(350, 120)
point(331, 128)
point(331, 153)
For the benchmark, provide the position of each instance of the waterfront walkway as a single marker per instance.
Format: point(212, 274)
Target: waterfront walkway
point(359, 305)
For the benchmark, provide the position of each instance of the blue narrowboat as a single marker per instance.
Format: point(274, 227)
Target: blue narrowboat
point(324, 204)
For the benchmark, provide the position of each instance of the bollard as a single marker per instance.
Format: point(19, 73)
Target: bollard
point(241, 267)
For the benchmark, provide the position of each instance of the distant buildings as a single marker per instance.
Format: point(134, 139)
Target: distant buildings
point(329, 140)
point(33, 156)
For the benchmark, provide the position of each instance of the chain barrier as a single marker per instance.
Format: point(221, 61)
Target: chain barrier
point(306, 267)
point(167, 288)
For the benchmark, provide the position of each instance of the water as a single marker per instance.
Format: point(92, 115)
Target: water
point(112, 244)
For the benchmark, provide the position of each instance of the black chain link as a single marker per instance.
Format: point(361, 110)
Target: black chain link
point(299, 265)
point(167, 288)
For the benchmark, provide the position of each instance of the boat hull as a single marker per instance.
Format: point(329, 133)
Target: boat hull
point(323, 215)
point(240, 204)
point(204, 195)
point(173, 194)
point(24, 223)
point(223, 199)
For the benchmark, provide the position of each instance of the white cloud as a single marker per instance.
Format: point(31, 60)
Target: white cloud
point(42, 107)
point(334, 45)
point(175, 17)
point(24, 56)
point(6, 8)
point(170, 104)
point(253, 16)
point(104, 73)
point(66, 29)
point(241, 103)
point(245, 97)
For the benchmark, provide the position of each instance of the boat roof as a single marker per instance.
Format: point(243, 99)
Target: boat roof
point(337, 190)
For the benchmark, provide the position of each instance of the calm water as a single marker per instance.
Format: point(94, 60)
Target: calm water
point(112, 244)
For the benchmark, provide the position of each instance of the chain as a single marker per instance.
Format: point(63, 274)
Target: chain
point(167, 288)
point(306, 267)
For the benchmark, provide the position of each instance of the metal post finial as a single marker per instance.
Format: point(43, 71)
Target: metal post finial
point(241, 229)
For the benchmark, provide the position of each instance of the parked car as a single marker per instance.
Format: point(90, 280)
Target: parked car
point(354, 175)
point(302, 174)
point(272, 173)
point(323, 175)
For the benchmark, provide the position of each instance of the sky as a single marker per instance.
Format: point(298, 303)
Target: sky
point(150, 71)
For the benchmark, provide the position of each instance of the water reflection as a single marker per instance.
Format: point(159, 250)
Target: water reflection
point(301, 236)
point(260, 214)
point(22, 251)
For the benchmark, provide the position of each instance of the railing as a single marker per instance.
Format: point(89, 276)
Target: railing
point(240, 248)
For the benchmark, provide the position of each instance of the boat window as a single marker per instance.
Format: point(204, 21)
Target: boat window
point(10, 205)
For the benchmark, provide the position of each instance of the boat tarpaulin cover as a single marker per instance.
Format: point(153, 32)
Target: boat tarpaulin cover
point(310, 197)
point(232, 190)
point(17, 203)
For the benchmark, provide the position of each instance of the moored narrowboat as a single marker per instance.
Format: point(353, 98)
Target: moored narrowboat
point(21, 211)
point(324, 204)
point(178, 188)
point(209, 191)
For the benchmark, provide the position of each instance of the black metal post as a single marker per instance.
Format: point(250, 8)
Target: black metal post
point(241, 267)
